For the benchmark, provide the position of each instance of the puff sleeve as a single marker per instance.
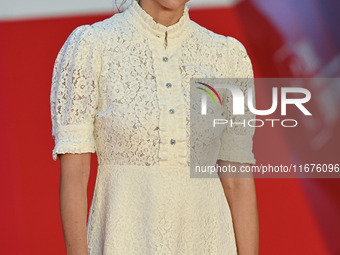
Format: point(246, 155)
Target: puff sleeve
point(74, 92)
point(237, 140)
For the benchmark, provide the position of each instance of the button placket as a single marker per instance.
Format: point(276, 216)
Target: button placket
point(165, 46)
point(171, 111)
point(168, 85)
point(172, 147)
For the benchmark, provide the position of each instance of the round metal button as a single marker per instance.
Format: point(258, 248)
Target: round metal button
point(168, 85)
point(165, 59)
point(172, 141)
point(171, 110)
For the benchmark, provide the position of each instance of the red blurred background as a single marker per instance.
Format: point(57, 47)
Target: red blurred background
point(283, 39)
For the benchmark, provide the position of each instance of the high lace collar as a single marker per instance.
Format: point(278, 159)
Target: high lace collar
point(147, 25)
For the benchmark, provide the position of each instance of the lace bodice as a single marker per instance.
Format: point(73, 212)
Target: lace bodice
point(120, 88)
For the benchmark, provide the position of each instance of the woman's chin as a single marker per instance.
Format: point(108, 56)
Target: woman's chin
point(172, 4)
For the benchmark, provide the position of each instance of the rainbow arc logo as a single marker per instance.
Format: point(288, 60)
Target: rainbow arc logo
point(209, 93)
point(204, 97)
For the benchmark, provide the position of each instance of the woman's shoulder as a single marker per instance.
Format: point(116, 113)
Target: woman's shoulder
point(216, 40)
point(98, 30)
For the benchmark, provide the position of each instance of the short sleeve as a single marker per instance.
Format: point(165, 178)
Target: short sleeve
point(237, 140)
point(74, 93)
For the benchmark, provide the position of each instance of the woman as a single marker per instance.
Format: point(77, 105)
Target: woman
point(121, 88)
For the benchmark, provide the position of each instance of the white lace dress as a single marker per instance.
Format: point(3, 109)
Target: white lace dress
point(121, 89)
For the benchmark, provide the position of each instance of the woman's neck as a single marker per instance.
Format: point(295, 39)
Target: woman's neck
point(165, 15)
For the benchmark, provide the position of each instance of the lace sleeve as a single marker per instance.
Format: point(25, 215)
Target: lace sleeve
point(74, 94)
point(237, 137)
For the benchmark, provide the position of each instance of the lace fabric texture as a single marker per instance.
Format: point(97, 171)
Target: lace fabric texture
point(121, 88)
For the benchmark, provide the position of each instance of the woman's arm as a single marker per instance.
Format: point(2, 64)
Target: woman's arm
point(74, 175)
point(241, 196)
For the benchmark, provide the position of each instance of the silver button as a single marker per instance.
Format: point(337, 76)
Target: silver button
point(171, 110)
point(172, 141)
point(165, 59)
point(168, 85)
